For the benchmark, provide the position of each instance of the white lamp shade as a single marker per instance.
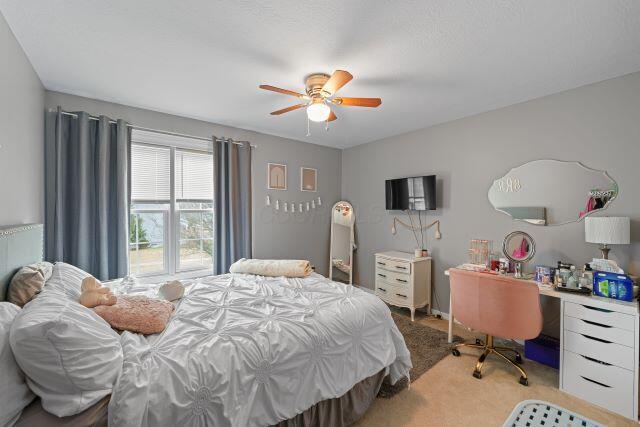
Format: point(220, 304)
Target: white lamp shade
point(607, 230)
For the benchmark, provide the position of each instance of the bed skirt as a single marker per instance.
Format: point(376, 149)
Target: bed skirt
point(339, 412)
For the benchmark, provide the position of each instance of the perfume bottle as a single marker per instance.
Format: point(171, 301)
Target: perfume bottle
point(572, 280)
point(586, 280)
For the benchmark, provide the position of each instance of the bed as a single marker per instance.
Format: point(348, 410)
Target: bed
point(244, 350)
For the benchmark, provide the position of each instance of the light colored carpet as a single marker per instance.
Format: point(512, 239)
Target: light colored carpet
point(447, 394)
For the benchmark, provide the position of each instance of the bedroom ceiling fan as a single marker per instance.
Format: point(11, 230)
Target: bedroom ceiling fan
point(320, 91)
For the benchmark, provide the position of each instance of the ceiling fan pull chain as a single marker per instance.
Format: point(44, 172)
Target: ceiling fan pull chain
point(308, 128)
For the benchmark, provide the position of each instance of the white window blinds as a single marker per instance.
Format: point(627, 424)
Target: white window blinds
point(194, 176)
point(150, 173)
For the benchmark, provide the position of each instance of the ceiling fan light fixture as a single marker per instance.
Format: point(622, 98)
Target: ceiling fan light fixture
point(318, 112)
point(320, 91)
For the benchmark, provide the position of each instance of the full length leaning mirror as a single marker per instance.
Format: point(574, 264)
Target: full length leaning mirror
point(342, 243)
point(552, 192)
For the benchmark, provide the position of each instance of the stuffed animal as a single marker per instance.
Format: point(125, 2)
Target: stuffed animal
point(171, 291)
point(94, 294)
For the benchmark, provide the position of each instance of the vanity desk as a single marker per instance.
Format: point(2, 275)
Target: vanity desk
point(599, 349)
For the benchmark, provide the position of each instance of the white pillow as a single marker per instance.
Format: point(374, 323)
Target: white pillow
point(14, 393)
point(66, 279)
point(71, 357)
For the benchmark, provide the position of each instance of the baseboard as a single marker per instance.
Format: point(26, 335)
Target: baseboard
point(442, 314)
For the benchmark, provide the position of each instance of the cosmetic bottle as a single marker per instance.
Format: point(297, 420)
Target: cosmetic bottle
point(572, 281)
point(586, 281)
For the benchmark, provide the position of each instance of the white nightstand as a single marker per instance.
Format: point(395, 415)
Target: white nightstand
point(403, 280)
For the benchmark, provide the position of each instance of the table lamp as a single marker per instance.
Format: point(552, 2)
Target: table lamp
point(607, 230)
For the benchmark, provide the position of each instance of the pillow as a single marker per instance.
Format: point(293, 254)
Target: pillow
point(66, 279)
point(13, 389)
point(272, 267)
point(28, 282)
point(71, 357)
point(137, 314)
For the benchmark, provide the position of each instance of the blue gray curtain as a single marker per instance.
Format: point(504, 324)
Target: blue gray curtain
point(231, 203)
point(87, 193)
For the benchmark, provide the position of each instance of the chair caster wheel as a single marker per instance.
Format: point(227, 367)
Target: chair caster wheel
point(518, 358)
point(477, 374)
point(455, 352)
point(524, 381)
point(478, 341)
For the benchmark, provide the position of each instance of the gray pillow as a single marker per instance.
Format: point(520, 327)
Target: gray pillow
point(28, 282)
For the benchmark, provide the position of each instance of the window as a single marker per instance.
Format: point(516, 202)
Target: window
point(171, 224)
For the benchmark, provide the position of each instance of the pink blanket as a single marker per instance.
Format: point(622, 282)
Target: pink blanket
point(137, 314)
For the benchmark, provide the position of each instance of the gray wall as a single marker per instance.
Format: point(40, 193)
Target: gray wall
point(21, 134)
point(276, 235)
point(598, 125)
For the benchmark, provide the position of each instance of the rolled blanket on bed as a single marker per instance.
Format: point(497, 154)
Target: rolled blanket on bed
point(272, 267)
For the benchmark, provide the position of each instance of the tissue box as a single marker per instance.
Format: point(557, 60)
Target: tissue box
point(613, 285)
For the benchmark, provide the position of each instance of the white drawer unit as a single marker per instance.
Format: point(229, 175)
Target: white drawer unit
point(603, 384)
point(402, 280)
point(604, 316)
point(599, 354)
point(599, 349)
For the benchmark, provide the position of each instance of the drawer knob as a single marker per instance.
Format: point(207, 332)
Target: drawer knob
point(400, 295)
point(595, 382)
point(588, 307)
point(400, 267)
point(596, 360)
point(383, 290)
point(596, 339)
point(381, 263)
point(382, 275)
point(590, 322)
point(401, 280)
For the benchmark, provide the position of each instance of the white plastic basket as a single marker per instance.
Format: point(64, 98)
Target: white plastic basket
point(538, 413)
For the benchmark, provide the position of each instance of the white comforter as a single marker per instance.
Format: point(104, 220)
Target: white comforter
point(246, 350)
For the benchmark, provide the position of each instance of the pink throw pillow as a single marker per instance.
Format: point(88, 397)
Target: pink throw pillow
point(137, 314)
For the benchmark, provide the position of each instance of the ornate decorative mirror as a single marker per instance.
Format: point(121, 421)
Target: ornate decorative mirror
point(519, 247)
point(552, 192)
point(342, 242)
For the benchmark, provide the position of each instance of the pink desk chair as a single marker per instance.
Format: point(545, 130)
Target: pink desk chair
point(496, 306)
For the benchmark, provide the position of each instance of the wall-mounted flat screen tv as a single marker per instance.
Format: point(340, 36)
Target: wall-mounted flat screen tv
point(414, 193)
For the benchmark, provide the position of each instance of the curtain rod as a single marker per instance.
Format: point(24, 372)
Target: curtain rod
point(66, 113)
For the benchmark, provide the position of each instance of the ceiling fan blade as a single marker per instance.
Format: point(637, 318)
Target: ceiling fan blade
point(279, 90)
point(286, 110)
point(338, 79)
point(358, 102)
point(332, 117)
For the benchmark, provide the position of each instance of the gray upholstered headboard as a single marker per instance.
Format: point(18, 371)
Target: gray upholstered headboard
point(19, 245)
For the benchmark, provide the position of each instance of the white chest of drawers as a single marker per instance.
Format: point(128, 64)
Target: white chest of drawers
point(599, 353)
point(403, 280)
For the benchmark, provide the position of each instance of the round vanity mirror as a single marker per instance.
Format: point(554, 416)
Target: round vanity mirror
point(519, 247)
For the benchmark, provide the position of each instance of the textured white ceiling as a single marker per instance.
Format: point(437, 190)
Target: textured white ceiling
point(430, 61)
